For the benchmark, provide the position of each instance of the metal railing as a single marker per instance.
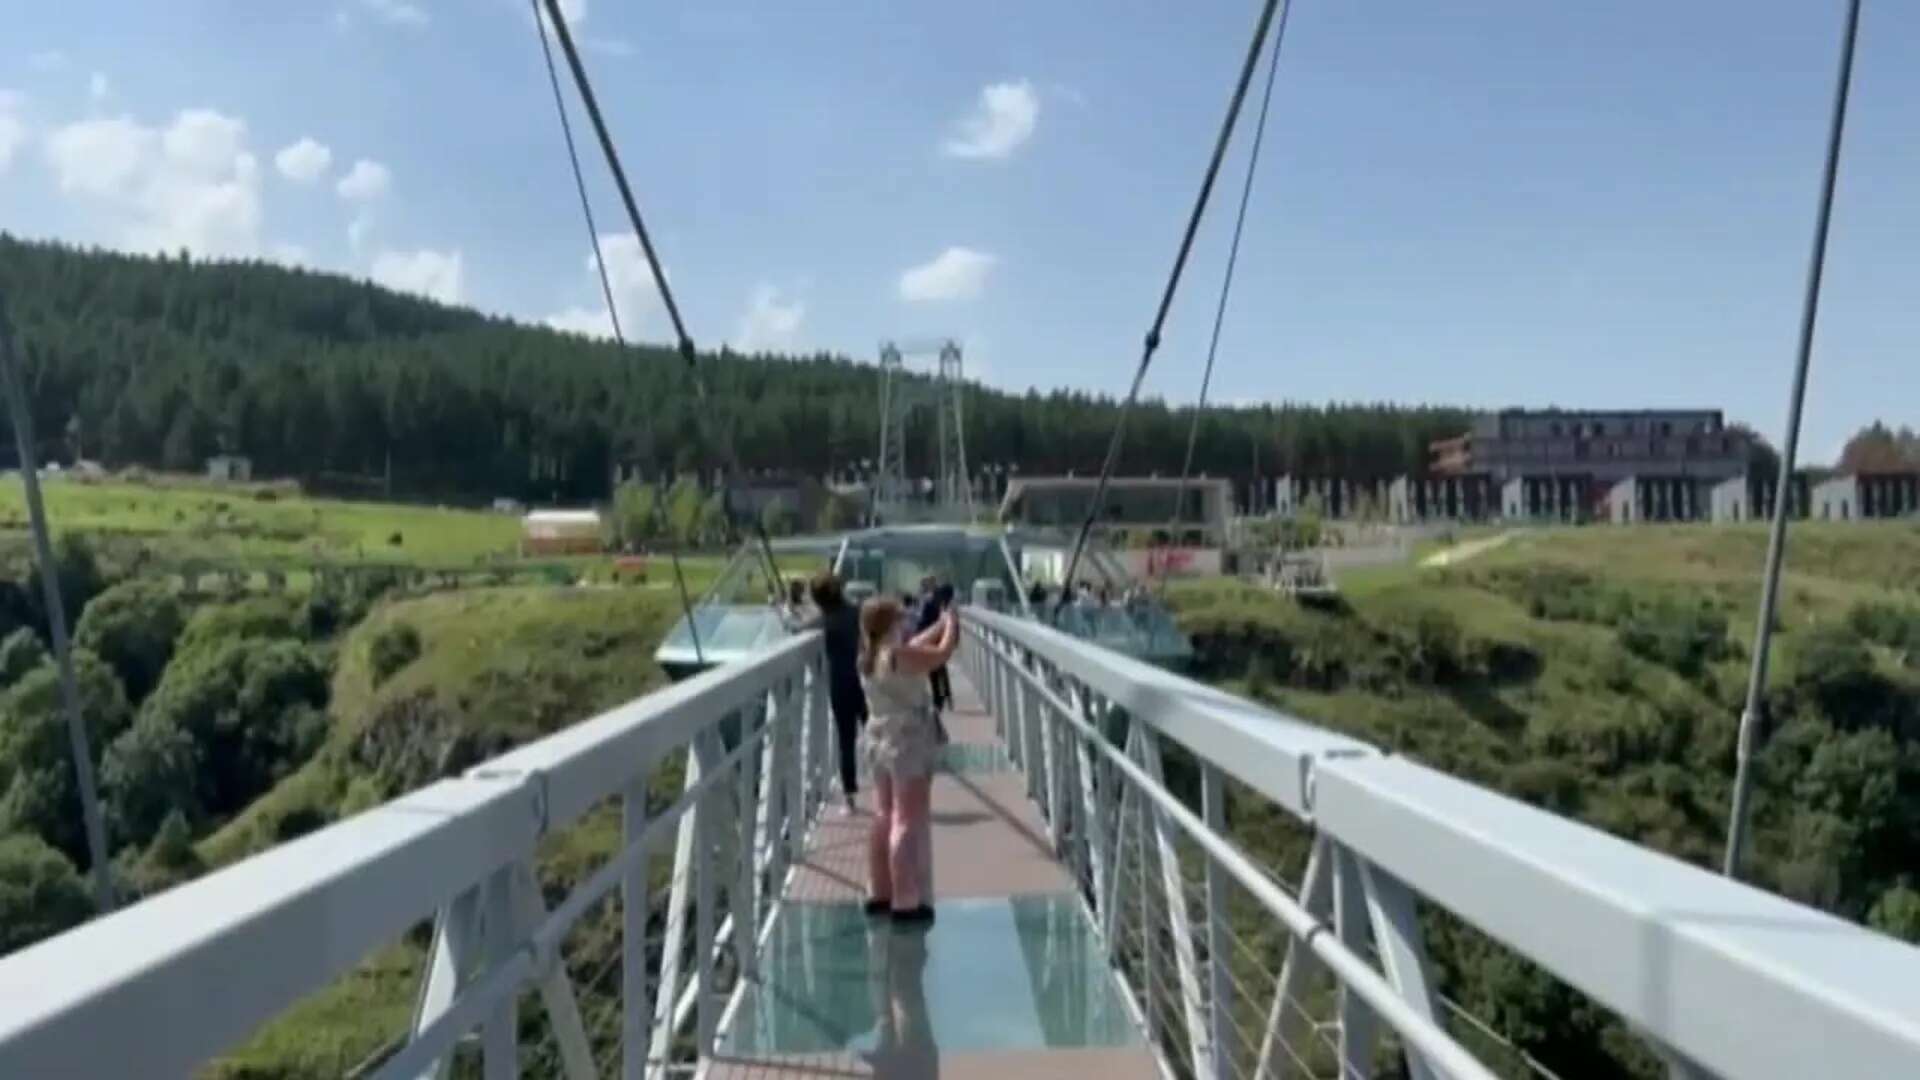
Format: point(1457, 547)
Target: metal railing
point(162, 987)
point(1292, 944)
point(1307, 956)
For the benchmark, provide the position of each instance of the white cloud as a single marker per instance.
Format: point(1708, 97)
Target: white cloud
point(290, 255)
point(769, 325)
point(1003, 119)
point(366, 181)
point(357, 231)
point(47, 60)
point(303, 162)
point(433, 274)
point(98, 87)
point(587, 322)
point(398, 12)
point(957, 273)
point(13, 127)
point(636, 298)
point(100, 157)
point(192, 184)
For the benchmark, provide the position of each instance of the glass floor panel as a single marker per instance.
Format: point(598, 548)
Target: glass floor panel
point(1017, 973)
point(974, 759)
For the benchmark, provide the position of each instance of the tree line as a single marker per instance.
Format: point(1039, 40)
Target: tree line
point(162, 362)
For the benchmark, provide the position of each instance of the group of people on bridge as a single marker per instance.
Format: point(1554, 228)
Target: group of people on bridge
point(887, 684)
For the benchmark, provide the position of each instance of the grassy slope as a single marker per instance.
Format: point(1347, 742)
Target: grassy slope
point(512, 664)
point(1586, 696)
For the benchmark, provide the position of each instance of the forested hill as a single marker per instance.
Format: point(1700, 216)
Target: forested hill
point(161, 362)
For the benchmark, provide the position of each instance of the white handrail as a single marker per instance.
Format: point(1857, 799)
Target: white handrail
point(160, 987)
point(1736, 981)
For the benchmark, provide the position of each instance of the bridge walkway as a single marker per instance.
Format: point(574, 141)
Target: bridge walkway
point(1009, 982)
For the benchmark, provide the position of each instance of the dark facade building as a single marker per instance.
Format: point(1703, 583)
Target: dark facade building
point(1601, 446)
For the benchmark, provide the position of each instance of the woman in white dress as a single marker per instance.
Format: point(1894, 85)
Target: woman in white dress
point(901, 749)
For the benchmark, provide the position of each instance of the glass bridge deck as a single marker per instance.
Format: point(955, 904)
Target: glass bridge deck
point(1010, 982)
point(737, 617)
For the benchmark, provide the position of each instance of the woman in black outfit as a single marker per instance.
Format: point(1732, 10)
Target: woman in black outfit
point(839, 623)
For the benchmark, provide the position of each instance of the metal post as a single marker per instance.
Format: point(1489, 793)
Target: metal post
point(1213, 807)
point(745, 903)
point(1358, 1025)
point(500, 1034)
point(705, 835)
point(1777, 535)
point(77, 741)
point(635, 1007)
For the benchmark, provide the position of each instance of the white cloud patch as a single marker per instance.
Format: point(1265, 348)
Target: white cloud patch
point(48, 60)
point(575, 12)
point(303, 162)
point(290, 255)
point(434, 274)
point(357, 232)
point(1001, 120)
point(365, 182)
point(770, 324)
point(191, 184)
point(13, 126)
point(397, 12)
point(636, 297)
point(957, 273)
point(98, 87)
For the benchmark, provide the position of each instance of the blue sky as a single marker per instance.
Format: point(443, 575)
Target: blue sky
point(1499, 202)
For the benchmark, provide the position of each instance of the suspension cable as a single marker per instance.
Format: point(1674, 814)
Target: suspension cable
point(613, 314)
point(1152, 342)
point(1226, 282)
point(1783, 491)
point(684, 341)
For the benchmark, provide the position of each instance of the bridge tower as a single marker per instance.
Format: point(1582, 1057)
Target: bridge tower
point(900, 394)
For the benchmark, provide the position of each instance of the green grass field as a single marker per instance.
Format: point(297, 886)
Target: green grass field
point(264, 525)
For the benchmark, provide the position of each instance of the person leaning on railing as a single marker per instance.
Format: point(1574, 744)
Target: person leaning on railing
point(902, 746)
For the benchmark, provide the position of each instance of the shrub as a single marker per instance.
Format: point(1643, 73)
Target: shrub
point(149, 774)
point(1684, 637)
point(133, 627)
point(252, 618)
point(36, 765)
point(1835, 671)
point(1897, 912)
point(20, 653)
point(252, 709)
point(392, 648)
point(41, 893)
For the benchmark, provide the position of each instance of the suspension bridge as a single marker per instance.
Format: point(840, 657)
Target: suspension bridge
point(1096, 916)
point(1098, 913)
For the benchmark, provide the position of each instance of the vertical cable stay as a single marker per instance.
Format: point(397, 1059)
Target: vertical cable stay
point(613, 313)
point(684, 341)
point(1226, 282)
point(1152, 342)
point(1783, 491)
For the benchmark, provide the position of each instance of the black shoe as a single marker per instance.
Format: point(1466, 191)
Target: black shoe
point(920, 916)
point(877, 908)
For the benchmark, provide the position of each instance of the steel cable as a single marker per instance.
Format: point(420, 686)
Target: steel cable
point(1152, 342)
point(1226, 282)
point(683, 340)
point(606, 290)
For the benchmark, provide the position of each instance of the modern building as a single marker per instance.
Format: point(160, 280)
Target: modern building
point(1867, 496)
point(1563, 498)
point(1412, 499)
point(1606, 446)
point(1334, 498)
point(1132, 502)
point(1634, 500)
